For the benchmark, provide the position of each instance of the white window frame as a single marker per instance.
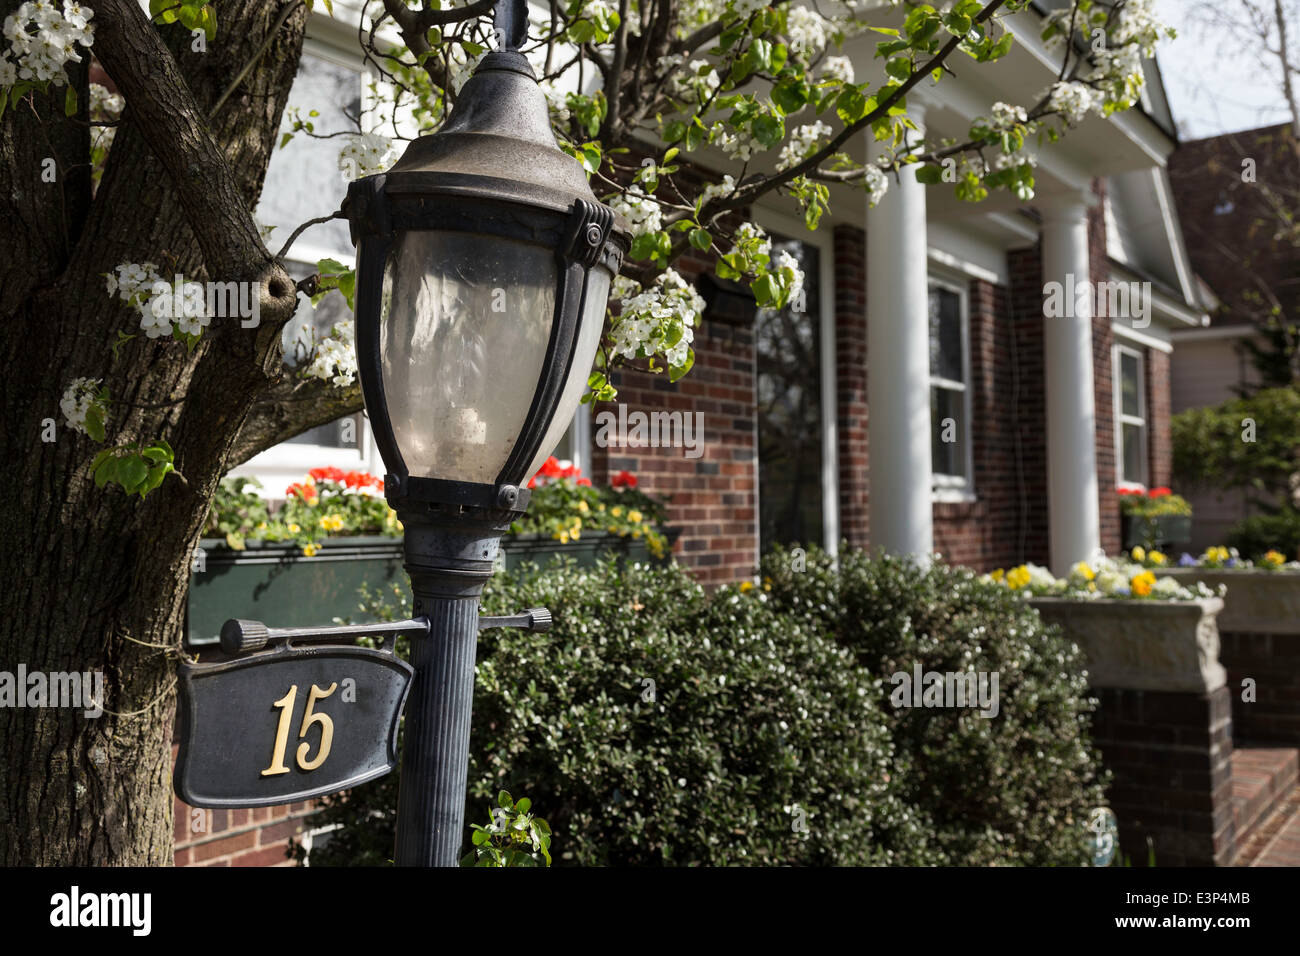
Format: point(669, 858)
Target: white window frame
point(772, 221)
point(1122, 419)
point(956, 488)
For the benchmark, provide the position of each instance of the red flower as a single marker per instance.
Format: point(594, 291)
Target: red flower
point(584, 482)
point(326, 474)
point(550, 468)
point(1159, 492)
point(305, 492)
point(623, 479)
point(532, 482)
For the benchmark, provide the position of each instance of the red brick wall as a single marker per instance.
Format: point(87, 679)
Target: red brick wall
point(1027, 404)
point(1102, 372)
point(1158, 411)
point(851, 383)
point(712, 499)
point(249, 837)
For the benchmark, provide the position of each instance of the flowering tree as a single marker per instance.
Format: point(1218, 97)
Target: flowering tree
point(133, 147)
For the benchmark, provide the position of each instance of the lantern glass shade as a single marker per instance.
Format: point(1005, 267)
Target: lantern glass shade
point(464, 325)
point(584, 353)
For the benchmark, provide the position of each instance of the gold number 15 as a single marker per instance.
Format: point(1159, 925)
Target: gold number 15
point(285, 704)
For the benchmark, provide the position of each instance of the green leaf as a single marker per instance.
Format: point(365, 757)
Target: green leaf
point(524, 805)
point(674, 373)
point(768, 130)
point(95, 422)
point(473, 49)
point(851, 105)
point(70, 101)
point(503, 800)
point(132, 471)
point(701, 239)
point(929, 174)
point(791, 95)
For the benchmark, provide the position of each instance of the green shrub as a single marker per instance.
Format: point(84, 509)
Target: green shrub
point(758, 742)
point(1254, 536)
point(753, 725)
point(661, 725)
point(1014, 788)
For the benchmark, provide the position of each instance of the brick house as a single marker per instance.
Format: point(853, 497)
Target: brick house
point(917, 400)
point(1231, 230)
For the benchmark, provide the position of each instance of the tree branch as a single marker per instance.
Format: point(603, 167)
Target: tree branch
point(178, 134)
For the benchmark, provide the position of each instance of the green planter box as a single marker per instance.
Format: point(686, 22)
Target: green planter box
point(586, 551)
point(1159, 532)
point(278, 585)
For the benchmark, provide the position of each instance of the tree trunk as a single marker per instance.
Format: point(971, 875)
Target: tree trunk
point(96, 580)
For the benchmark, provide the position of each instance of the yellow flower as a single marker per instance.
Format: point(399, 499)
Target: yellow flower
point(563, 537)
point(1139, 554)
point(261, 526)
point(310, 549)
point(616, 511)
point(1085, 571)
point(1274, 559)
point(294, 529)
point(634, 516)
point(1158, 558)
point(1018, 577)
point(746, 586)
point(332, 522)
point(998, 575)
point(575, 534)
point(1141, 584)
point(582, 507)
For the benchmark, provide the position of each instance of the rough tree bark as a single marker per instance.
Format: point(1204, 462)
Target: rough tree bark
point(95, 580)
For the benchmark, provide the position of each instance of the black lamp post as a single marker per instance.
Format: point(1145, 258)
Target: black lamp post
point(484, 264)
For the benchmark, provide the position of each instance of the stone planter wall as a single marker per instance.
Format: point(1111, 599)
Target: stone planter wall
point(1164, 724)
point(1260, 636)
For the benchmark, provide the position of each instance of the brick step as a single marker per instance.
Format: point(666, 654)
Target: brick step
point(1262, 779)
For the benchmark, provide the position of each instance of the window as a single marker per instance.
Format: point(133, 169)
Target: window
point(788, 344)
point(1130, 417)
point(950, 445)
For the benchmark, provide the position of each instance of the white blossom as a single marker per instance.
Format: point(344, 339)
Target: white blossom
point(808, 31)
point(76, 401)
point(715, 190)
point(1075, 100)
point(641, 211)
point(875, 183)
point(650, 317)
point(839, 68)
point(335, 359)
point(366, 154)
point(802, 142)
point(42, 38)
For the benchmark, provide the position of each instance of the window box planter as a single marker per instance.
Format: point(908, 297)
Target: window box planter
point(1160, 531)
point(276, 583)
point(586, 551)
point(1143, 645)
point(1258, 602)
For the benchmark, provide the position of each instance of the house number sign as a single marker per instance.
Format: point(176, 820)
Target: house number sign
point(288, 724)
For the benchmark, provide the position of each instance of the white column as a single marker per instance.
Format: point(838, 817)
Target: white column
point(1073, 517)
point(898, 368)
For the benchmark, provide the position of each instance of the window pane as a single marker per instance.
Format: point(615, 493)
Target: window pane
point(1130, 400)
point(945, 335)
point(303, 180)
point(948, 423)
point(790, 413)
point(1134, 454)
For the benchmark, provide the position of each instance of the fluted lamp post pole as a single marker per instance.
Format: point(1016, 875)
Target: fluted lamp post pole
point(484, 264)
